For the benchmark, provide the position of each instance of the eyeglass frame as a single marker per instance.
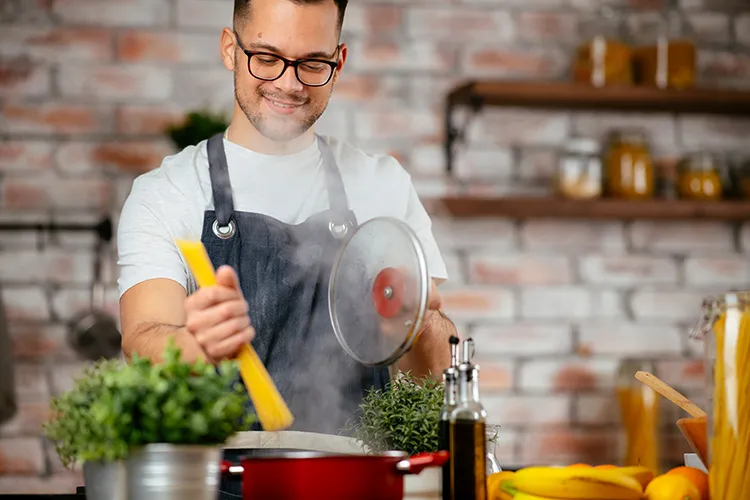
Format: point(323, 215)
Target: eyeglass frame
point(287, 63)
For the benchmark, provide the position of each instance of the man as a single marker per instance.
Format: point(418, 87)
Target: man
point(270, 201)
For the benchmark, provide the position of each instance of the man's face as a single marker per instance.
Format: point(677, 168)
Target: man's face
point(285, 108)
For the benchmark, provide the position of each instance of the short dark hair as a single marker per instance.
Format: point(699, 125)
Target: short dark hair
point(242, 8)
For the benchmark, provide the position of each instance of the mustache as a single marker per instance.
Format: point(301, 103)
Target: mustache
point(298, 99)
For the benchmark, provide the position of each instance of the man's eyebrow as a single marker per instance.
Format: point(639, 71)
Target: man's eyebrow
point(255, 46)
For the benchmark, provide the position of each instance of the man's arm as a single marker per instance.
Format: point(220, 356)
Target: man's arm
point(150, 313)
point(431, 354)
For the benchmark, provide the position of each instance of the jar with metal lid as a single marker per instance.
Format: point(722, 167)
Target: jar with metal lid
point(640, 409)
point(699, 177)
point(579, 172)
point(603, 59)
point(629, 168)
point(725, 330)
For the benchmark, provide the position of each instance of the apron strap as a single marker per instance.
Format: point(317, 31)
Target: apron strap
point(342, 218)
point(220, 185)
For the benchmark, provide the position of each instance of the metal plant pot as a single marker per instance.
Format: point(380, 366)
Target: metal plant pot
point(174, 472)
point(105, 481)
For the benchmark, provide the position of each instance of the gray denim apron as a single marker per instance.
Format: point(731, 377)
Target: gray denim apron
point(284, 272)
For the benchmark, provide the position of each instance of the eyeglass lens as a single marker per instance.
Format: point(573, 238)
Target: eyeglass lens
point(269, 67)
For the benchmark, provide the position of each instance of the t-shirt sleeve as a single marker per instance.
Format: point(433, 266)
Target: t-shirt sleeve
point(145, 244)
point(419, 220)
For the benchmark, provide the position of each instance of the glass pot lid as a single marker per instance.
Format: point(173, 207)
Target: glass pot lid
point(377, 295)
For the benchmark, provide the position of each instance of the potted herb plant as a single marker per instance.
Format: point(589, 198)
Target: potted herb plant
point(197, 126)
point(122, 421)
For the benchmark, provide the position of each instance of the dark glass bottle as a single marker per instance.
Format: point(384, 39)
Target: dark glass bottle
point(450, 380)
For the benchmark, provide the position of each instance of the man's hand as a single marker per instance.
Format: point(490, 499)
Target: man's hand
point(217, 316)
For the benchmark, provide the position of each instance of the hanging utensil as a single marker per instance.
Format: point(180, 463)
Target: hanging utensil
point(94, 333)
point(272, 411)
point(378, 291)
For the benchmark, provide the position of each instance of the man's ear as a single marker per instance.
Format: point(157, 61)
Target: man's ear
point(343, 51)
point(228, 48)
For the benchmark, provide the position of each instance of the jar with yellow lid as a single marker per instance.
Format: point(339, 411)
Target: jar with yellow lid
point(629, 167)
point(603, 59)
point(699, 177)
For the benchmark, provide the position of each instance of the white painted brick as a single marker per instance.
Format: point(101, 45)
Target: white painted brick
point(496, 376)
point(709, 27)
point(25, 303)
point(567, 374)
point(113, 13)
point(718, 271)
point(628, 270)
point(572, 236)
point(31, 382)
point(474, 234)
point(392, 55)
point(50, 266)
point(682, 237)
point(742, 29)
point(596, 410)
point(477, 303)
point(65, 376)
point(67, 302)
point(115, 83)
point(462, 24)
point(714, 132)
point(686, 375)
point(745, 237)
point(519, 269)
point(210, 87)
point(205, 14)
point(511, 409)
point(538, 165)
point(666, 304)
point(454, 264)
point(569, 303)
point(610, 338)
point(564, 445)
point(513, 126)
point(523, 339)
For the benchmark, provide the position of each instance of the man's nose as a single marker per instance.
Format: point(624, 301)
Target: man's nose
point(288, 81)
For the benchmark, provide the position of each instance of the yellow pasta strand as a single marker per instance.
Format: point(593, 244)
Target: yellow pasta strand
point(729, 476)
point(270, 407)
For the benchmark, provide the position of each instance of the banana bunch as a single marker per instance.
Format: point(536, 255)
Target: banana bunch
point(569, 483)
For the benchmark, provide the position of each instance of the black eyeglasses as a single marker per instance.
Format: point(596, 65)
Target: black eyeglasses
point(269, 67)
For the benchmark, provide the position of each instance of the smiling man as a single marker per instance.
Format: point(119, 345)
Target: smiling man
point(271, 200)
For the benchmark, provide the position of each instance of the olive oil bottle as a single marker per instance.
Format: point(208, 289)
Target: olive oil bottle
point(468, 446)
point(450, 380)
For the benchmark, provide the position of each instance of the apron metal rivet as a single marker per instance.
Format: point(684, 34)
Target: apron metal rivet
point(224, 232)
point(338, 230)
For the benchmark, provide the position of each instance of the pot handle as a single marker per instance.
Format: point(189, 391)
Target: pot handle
point(227, 469)
point(417, 463)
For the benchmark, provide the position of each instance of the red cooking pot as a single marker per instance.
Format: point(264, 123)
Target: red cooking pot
point(304, 475)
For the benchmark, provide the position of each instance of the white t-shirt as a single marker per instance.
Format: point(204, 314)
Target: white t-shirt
point(169, 202)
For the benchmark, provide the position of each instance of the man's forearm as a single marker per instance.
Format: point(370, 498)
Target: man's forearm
point(431, 354)
point(150, 340)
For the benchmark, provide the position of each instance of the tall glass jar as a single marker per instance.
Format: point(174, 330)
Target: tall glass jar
point(725, 329)
point(602, 58)
point(629, 168)
point(640, 409)
point(669, 60)
point(699, 177)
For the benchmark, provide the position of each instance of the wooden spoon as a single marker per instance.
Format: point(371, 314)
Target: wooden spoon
point(671, 394)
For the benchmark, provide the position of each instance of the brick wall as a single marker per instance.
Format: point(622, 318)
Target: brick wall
point(86, 86)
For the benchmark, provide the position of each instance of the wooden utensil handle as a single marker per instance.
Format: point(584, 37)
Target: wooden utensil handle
point(671, 394)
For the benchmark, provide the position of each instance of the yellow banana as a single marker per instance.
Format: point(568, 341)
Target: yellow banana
point(577, 484)
point(526, 496)
point(643, 475)
point(495, 483)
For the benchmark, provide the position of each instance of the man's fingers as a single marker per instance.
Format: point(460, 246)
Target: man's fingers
point(229, 347)
point(226, 276)
point(219, 333)
point(202, 319)
point(204, 298)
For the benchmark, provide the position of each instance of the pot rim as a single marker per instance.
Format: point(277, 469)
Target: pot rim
point(306, 455)
point(158, 447)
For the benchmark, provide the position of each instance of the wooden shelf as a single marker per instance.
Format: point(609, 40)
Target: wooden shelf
point(574, 96)
point(559, 208)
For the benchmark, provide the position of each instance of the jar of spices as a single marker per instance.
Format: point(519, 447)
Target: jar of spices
point(629, 168)
point(603, 59)
point(669, 61)
point(699, 177)
point(579, 172)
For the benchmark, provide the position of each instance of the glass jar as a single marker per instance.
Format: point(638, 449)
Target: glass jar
point(629, 168)
point(602, 59)
point(725, 330)
point(699, 177)
point(669, 61)
point(740, 178)
point(579, 172)
point(493, 465)
point(640, 408)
